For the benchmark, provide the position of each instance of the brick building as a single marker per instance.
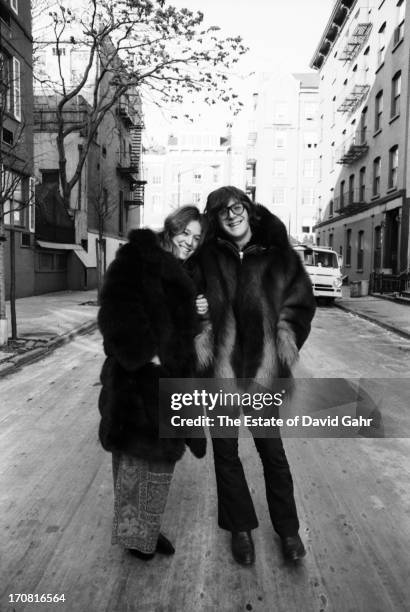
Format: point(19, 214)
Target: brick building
point(363, 65)
point(16, 125)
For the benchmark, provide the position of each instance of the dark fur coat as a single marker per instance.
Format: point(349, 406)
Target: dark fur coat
point(260, 302)
point(147, 309)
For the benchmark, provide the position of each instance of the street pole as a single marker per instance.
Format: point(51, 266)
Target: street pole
point(13, 316)
point(179, 188)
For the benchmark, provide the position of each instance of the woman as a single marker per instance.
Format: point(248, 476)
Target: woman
point(261, 305)
point(148, 321)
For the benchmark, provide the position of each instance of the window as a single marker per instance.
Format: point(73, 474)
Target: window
point(121, 213)
point(395, 94)
point(13, 205)
point(351, 189)
point(348, 247)
point(330, 241)
point(16, 88)
point(377, 164)
point(399, 30)
point(156, 179)
point(14, 6)
point(25, 239)
point(363, 125)
point(308, 197)
point(305, 229)
point(393, 167)
point(362, 184)
point(52, 262)
point(156, 200)
point(5, 71)
point(360, 249)
point(50, 177)
point(105, 200)
point(377, 256)
point(382, 44)
point(342, 195)
point(310, 140)
point(309, 168)
point(278, 195)
point(197, 177)
point(8, 137)
point(378, 111)
point(279, 167)
point(196, 197)
point(104, 151)
point(310, 110)
point(280, 140)
point(331, 207)
point(59, 51)
point(281, 112)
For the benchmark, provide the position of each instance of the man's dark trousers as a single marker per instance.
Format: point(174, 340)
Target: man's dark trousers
point(236, 511)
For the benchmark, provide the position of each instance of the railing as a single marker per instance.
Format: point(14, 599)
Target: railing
point(389, 283)
point(353, 148)
point(355, 42)
point(349, 200)
point(127, 161)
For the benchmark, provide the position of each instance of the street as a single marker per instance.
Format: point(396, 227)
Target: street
point(353, 497)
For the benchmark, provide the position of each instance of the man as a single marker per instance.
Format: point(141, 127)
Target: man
point(260, 307)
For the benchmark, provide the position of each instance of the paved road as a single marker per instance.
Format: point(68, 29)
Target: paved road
point(353, 496)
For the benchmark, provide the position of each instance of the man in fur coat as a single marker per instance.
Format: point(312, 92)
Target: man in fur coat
point(260, 305)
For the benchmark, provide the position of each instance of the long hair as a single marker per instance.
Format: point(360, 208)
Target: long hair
point(175, 223)
point(220, 198)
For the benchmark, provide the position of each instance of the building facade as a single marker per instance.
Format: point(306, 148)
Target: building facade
point(16, 125)
point(282, 166)
point(363, 65)
point(186, 170)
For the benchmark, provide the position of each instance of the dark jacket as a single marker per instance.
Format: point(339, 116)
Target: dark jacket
point(260, 301)
point(147, 309)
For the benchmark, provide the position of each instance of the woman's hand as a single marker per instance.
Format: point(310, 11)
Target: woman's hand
point(201, 304)
point(155, 360)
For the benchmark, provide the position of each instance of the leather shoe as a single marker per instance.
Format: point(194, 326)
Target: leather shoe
point(141, 555)
point(292, 548)
point(243, 549)
point(164, 546)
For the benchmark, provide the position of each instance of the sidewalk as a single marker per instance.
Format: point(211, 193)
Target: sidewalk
point(45, 322)
point(388, 314)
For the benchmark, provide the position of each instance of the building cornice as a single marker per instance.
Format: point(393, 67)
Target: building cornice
point(340, 12)
point(401, 193)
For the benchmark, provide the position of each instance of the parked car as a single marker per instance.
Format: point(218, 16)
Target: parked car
point(323, 265)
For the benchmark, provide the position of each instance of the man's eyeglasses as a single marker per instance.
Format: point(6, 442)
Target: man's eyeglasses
point(236, 209)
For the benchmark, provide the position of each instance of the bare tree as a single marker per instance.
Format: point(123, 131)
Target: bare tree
point(163, 51)
point(12, 203)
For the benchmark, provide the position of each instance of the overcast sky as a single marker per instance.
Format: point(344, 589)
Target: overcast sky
point(281, 33)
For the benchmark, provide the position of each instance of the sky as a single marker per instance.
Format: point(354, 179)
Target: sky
point(281, 34)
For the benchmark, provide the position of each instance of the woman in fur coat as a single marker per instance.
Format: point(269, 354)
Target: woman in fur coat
point(148, 322)
point(261, 305)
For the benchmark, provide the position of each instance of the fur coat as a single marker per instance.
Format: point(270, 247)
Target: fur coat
point(260, 302)
point(147, 309)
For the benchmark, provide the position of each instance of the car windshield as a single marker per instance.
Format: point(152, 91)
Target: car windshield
point(319, 258)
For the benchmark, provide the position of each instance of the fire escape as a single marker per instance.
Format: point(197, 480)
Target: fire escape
point(356, 41)
point(129, 163)
point(353, 148)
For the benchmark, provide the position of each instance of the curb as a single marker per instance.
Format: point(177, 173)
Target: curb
point(17, 361)
point(386, 326)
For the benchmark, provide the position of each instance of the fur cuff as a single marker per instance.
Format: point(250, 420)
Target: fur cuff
point(287, 350)
point(204, 347)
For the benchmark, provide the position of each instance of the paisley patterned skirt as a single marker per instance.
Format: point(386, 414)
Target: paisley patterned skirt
point(140, 495)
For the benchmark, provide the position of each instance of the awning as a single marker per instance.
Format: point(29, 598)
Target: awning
point(81, 253)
